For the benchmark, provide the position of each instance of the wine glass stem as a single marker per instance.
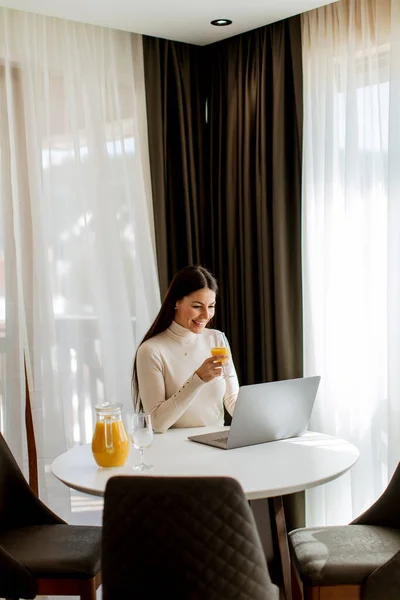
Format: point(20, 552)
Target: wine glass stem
point(141, 456)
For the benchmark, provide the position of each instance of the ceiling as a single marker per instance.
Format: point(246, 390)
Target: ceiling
point(183, 20)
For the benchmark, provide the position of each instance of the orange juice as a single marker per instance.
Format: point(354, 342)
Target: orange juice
point(114, 451)
point(221, 351)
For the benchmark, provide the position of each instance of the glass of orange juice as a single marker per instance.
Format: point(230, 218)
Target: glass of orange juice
point(221, 349)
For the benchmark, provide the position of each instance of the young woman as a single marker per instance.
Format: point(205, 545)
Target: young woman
point(175, 378)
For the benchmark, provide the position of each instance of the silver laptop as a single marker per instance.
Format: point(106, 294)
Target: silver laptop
point(267, 412)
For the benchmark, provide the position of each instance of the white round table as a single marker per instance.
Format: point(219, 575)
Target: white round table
point(264, 470)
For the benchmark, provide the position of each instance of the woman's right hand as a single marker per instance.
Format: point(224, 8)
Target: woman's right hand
point(211, 368)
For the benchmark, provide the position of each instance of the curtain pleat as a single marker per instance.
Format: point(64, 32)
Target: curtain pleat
point(175, 108)
point(255, 125)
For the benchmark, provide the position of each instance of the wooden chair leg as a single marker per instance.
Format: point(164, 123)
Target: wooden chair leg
point(332, 592)
point(280, 522)
point(85, 588)
point(297, 587)
point(88, 589)
point(312, 593)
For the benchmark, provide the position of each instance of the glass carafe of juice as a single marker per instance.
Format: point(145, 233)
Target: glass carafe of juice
point(110, 444)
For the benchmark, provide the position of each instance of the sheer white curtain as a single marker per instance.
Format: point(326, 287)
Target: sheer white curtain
point(351, 241)
point(78, 282)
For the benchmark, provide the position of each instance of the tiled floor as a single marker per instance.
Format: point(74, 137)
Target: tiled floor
point(66, 597)
point(281, 596)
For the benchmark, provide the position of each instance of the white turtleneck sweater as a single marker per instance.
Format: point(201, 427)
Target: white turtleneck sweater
point(169, 387)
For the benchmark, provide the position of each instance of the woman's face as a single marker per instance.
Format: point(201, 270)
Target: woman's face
point(194, 311)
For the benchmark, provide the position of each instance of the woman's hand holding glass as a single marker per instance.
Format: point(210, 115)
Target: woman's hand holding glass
point(142, 436)
point(210, 369)
point(219, 364)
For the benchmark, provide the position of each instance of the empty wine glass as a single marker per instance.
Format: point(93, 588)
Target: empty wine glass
point(221, 348)
point(141, 436)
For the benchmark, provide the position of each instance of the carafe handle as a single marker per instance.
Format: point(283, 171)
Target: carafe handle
point(108, 434)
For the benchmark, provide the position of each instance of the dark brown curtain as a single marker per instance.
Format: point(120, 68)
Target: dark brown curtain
point(255, 128)
point(175, 107)
point(226, 188)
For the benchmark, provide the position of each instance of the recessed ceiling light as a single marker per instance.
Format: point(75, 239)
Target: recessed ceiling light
point(221, 22)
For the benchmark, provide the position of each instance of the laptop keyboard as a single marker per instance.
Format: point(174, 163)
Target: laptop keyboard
point(222, 440)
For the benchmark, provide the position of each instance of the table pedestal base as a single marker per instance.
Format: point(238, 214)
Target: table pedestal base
point(282, 539)
point(270, 519)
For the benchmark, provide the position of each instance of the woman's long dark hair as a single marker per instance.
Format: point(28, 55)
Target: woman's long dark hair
point(186, 281)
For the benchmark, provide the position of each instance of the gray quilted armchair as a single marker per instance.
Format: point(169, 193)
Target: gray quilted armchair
point(187, 538)
point(356, 561)
point(39, 552)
